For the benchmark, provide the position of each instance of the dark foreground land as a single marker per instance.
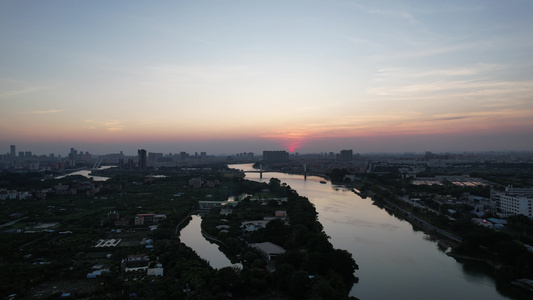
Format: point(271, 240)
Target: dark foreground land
point(76, 238)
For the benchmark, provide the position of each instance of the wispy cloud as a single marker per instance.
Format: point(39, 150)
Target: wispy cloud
point(448, 118)
point(466, 87)
point(405, 122)
point(400, 13)
point(45, 112)
point(109, 125)
point(425, 52)
point(362, 42)
point(392, 73)
point(22, 91)
point(201, 72)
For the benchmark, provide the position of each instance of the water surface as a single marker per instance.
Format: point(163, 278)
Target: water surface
point(395, 261)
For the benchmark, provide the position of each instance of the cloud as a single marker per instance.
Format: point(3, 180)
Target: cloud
point(22, 91)
point(45, 112)
point(403, 14)
point(465, 87)
point(448, 118)
point(392, 73)
point(431, 51)
point(110, 125)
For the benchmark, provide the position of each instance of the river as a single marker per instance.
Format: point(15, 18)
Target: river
point(86, 173)
point(395, 261)
point(205, 249)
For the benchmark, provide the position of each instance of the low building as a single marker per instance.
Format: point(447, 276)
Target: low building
point(208, 204)
point(254, 225)
point(98, 270)
point(155, 272)
point(140, 266)
point(281, 214)
point(269, 250)
point(142, 219)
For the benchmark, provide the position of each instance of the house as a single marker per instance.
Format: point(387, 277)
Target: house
point(155, 272)
point(142, 219)
point(269, 250)
point(140, 266)
point(254, 225)
point(281, 214)
point(98, 270)
point(159, 217)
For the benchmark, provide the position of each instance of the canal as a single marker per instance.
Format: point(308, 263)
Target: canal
point(191, 235)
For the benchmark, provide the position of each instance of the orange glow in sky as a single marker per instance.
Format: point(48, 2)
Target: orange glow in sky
point(223, 78)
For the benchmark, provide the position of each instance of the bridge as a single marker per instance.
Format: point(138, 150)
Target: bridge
point(261, 171)
point(97, 164)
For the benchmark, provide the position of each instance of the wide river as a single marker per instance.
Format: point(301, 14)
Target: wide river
point(395, 261)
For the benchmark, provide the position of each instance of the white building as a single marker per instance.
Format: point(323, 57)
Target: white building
point(516, 201)
point(516, 204)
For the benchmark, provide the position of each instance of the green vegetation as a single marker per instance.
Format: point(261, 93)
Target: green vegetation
point(49, 246)
point(309, 269)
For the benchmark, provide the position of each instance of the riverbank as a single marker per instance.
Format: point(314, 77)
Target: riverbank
point(473, 258)
point(452, 245)
point(430, 229)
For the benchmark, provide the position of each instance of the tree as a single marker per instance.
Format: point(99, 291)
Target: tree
point(298, 284)
point(276, 232)
point(322, 289)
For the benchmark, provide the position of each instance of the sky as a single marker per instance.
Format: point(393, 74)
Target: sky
point(246, 76)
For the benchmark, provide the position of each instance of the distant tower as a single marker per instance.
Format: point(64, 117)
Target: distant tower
point(13, 153)
point(275, 156)
point(73, 155)
point(142, 159)
point(346, 155)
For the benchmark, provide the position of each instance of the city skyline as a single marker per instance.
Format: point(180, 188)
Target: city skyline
point(240, 76)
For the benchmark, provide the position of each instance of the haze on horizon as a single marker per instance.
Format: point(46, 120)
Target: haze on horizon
point(246, 76)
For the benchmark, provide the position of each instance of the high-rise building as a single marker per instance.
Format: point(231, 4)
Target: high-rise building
point(275, 155)
point(154, 157)
point(184, 156)
point(346, 155)
point(72, 156)
point(142, 159)
point(13, 153)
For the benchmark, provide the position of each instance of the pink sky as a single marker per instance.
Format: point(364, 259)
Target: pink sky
point(170, 77)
